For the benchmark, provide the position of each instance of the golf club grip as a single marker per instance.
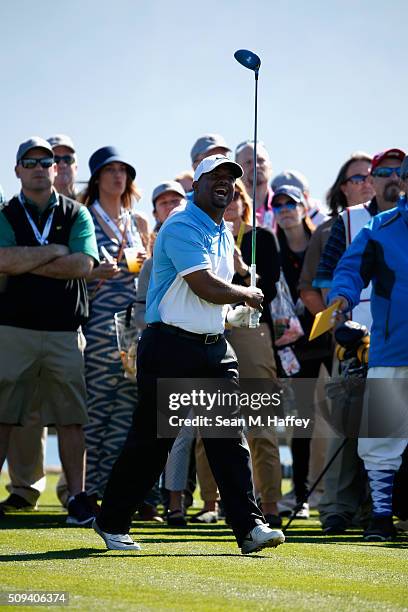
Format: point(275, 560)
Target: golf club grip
point(253, 317)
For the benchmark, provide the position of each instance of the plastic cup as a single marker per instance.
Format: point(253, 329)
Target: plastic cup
point(131, 255)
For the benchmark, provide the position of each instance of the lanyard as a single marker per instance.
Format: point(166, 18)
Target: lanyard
point(112, 225)
point(41, 238)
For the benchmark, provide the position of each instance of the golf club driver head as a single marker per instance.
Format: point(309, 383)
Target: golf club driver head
point(248, 59)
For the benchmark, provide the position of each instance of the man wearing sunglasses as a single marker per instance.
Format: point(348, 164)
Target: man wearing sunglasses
point(27, 444)
point(47, 248)
point(378, 254)
point(67, 167)
point(343, 482)
point(384, 178)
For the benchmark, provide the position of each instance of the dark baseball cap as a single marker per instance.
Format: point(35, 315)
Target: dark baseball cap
point(206, 143)
point(35, 142)
point(294, 193)
point(388, 154)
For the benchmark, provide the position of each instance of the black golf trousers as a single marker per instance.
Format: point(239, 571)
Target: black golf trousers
point(144, 455)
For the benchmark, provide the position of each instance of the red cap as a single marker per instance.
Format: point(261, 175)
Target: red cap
point(389, 153)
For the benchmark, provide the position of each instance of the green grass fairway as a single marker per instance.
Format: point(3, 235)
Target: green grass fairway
point(199, 568)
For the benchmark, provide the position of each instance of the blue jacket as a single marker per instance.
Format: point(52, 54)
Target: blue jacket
point(379, 253)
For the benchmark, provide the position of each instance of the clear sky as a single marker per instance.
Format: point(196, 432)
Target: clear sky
point(152, 76)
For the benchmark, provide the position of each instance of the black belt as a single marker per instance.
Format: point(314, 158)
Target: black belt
point(177, 331)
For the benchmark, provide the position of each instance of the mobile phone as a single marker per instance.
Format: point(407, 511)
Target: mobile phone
point(107, 255)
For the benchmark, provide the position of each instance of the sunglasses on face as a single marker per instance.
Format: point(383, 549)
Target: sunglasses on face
point(386, 172)
point(68, 159)
point(289, 205)
point(357, 179)
point(29, 163)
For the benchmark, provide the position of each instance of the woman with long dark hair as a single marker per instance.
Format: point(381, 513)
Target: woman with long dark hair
point(351, 186)
point(349, 189)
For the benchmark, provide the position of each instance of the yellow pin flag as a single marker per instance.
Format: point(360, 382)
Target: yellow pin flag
point(324, 321)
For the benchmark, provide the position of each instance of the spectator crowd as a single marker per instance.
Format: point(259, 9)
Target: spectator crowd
point(70, 260)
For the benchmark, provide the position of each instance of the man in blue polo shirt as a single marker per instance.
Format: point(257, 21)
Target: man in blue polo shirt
point(187, 300)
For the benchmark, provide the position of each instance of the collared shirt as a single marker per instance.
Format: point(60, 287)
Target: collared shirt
point(188, 241)
point(82, 236)
point(34, 209)
point(55, 304)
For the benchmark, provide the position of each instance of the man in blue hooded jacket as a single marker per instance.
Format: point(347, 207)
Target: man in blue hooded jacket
point(379, 254)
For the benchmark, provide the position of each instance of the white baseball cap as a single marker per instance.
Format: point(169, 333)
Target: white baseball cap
point(61, 140)
point(213, 161)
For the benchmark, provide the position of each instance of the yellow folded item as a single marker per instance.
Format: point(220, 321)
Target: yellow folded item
point(324, 321)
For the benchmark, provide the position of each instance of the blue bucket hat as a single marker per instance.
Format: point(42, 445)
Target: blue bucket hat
point(105, 156)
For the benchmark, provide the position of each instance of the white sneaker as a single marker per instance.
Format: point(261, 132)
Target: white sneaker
point(116, 541)
point(261, 537)
point(303, 513)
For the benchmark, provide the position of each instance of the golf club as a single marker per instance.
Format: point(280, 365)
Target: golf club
point(250, 60)
point(318, 479)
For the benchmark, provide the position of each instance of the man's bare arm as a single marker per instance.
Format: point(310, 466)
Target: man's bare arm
point(76, 265)
point(21, 259)
point(217, 291)
point(312, 300)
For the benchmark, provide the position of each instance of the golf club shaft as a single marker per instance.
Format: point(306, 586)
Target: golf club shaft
point(253, 260)
point(318, 479)
point(254, 319)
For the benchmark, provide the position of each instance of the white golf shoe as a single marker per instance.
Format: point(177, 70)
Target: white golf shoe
point(116, 541)
point(303, 512)
point(261, 537)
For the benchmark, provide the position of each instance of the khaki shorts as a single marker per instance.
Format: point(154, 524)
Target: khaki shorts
point(44, 371)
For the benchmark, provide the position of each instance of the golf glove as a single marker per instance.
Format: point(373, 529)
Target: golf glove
point(239, 316)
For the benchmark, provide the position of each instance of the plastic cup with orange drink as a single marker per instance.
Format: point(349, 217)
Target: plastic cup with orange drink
point(133, 255)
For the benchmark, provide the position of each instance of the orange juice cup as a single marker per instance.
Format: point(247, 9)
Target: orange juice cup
point(131, 255)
